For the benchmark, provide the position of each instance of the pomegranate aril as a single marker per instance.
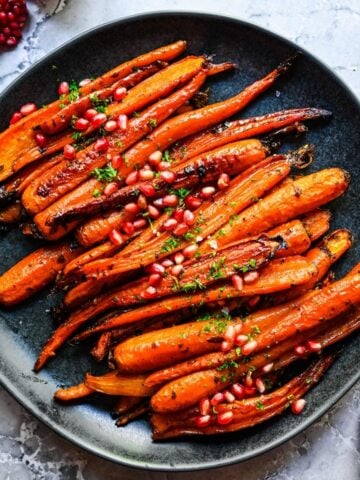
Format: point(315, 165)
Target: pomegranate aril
point(260, 385)
point(207, 192)
point(155, 158)
point(178, 214)
point(223, 181)
point(145, 175)
point(181, 229)
point(298, 406)
point(254, 300)
point(179, 258)
point(3, 40)
point(63, 88)
point(267, 368)
point(81, 124)
point(11, 42)
point(110, 188)
point(238, 390)
point(229, 334)
point(189, 217)
point(27, 109)
point(140, 223)
point(250, 391)
point(142, 202)
point(202, 421)
point(147, 189)
point(101, 145)
point(168, 177)
point(167, 263)
point(169, 224)
point(115, 237)
point(149, 293)
point(248, 381)
point(117, 161)
point(163, 166)
point(98, 120)
point(122, 122)
point(131, 208)
point(128, 228)
point(225, 418)
point(241, 340)
point(15, 116)
point(229, 397)
point(132, 178)
point(249, 347)
point(238, 328)
point(153, 212)
point(250, 277)
point(170, 200)
point(84, 81)
point(216, 399)
point(155, 279)
point(40, 140)
point(157, 268)
point(69, 152)
point(158, 202)
point(192, 202)
point(190, 250)
point(176, 270)
point(119, 93)
point(90, 113)
point(110, 126)
point(225, 346)
point(204, 406)
point(313, 346)
point(237, 282)
point(300, 350)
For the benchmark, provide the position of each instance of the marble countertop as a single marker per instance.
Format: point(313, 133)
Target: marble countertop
point(330, 448)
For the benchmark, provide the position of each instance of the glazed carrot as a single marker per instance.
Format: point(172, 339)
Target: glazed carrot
point(11, 214)
point(239, 129)
point(33, 272)
point(73, 393)
point(316, 223)
point(125, 404)
point(66, 176)
point(302, 196)
point(294, 236)
point(246, 413)
point(118, 384)
point(62, 119)
point(101, 347)
point(18, 139)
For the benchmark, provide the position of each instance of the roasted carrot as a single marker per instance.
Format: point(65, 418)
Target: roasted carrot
point(18, 139)
point(33, 272)
point(101, 347)
point(246, 413)
point(239, 129)
point(316, 223)
point(294, 237)
point(290, 201)
point(11, 213)
point(125, 404)
point(73, 393)
point(118, 384)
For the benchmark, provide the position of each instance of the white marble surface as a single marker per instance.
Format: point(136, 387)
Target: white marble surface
point(330, 448)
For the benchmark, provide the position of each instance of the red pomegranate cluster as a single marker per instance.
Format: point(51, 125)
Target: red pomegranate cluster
point(13, 15)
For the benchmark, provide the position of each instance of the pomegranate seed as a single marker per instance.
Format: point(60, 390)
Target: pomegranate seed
point(140, 223)
point(225, 418)
point(313, 346)
point(267, 368)
point(116, 161)
point(300, 350)
point(169, 224)
point(170, 200)
point(155, 158)
point(217, 398)
point(179, 258)
point(110, 126)
point(229, 397)
point(189, 217)
point(190, 250)
point(153, 212)
point(110, 188)
point(90, 113)
point(203, 421)
point(168, 177)
point(69, 152)
point(199, 239)
point(207, 192)
point(149, 293)
point(145, 175)
point(15, 117)
point(192, 202)
point(131, 208)
point(238, 390)
point(142, 202)
point(181, 229)
point(101, 145)
point(155, 279)
point(98, 120)
point(298, 406)
point(167, 263)
point(158, 202)
point(237, 282)
point(260, 385)
point(179, 214)
point(223, 181)
point(225, 346)
point(176, 270)
point(2, 38)
point(250, 277)
point(116, 237)
point(248, 382)
point(241, 340)
point(163, 166)
point(147, 189)
point(63, 88)
point(229, 334)
point(81, 124)
point(238, 328)
point(250, 391)
point(132, 178)
point(3, 18)
point(249, 347)
point(157, 268)
point(41, 140)
point(119, 93)
point(84, 81)
point(254, 301)
point(128, 228)
point(204, 406)
point(122, 122)
point(27, 109)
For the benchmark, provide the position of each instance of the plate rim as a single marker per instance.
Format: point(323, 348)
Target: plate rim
point(73, 438)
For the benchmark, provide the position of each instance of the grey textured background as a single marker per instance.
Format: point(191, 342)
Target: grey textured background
point(330, 448)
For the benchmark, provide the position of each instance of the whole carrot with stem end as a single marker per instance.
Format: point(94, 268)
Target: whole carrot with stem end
point(18, 139)
point(319, 307)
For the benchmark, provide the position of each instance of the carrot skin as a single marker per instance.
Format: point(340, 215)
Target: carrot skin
point(73, 393)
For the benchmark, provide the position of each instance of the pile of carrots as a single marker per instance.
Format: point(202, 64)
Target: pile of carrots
point(185, 245)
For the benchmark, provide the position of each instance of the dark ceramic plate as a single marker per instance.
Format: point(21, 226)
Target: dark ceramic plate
point(24, 329)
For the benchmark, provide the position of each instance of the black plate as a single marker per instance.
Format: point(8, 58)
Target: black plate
point(24, 329)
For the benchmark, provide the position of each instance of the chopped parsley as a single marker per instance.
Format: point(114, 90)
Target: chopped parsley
point(96, 193)
point(251, 265)
point(259, 405)
point(193, 286)
point(152, 123)
point(136, 115)
point(228, 365)
point(74, 92)
point(166, 157)
point(99, 104)
point(106, 174)
point(181, 193)
point(217, 269)
point(169, 245)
